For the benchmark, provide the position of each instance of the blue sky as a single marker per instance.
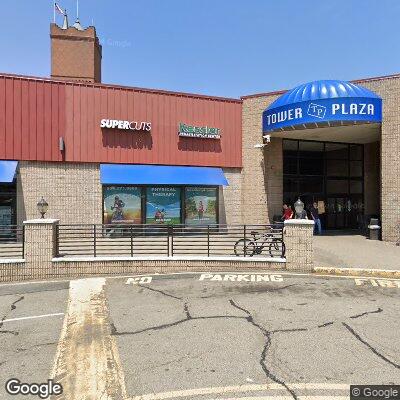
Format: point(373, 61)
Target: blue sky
point(217, 47)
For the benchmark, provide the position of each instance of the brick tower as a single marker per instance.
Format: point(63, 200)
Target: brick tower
point(75, 53)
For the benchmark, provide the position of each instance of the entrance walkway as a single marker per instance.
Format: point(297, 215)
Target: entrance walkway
point(355, 251)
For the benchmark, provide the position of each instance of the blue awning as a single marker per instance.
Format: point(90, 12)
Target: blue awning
point(7, 171)
point(126, 174)
point(322, 103)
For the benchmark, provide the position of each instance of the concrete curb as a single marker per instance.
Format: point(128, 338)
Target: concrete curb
point(374, 273)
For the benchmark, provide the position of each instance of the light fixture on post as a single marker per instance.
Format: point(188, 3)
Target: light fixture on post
point(299, 208)
point(42, 207)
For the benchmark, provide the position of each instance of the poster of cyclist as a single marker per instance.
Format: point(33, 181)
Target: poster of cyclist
point(201, 206)
point(122, 205)
point(163, 205)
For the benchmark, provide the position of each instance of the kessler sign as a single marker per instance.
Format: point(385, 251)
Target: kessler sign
point(205, 132)
point(321, 102)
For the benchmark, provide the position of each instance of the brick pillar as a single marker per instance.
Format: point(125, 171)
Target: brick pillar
point(298, 237)
point(40, 246)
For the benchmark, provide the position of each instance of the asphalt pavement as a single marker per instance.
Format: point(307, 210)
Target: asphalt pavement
point(202, 336)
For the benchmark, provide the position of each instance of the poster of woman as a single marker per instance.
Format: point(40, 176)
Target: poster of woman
point(163, 205)
point(201, 206)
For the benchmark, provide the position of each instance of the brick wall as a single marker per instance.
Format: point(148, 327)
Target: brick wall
point(265, 183)
point(298, 238)
point(75, 55)
point(72, 190)
point(230, 207)
point(389, 90)
point(372, 178)
point(262, 169)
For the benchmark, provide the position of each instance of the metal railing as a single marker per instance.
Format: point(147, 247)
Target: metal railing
point(12, 242)
point(170, 240)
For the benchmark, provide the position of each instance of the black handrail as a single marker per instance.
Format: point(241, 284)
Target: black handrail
point(12, 242)
point(170, 240)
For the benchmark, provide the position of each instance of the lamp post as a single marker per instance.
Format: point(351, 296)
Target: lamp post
point(42, 206)
point(299, 208)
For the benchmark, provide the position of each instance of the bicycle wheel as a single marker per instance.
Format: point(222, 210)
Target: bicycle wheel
point(277, 249)
point(244, 247)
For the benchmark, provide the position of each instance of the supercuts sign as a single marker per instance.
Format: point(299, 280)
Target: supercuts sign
point(125, 125)
point(323, 110)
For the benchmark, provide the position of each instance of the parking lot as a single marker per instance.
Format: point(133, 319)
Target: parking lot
point(211, 335)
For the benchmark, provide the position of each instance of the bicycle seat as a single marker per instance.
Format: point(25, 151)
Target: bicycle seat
point(254, 233)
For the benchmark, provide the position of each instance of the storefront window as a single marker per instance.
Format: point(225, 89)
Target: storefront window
point(163, 205)
point(167, 205)
point(200, 206)
point(7, 204)
point(122, 205)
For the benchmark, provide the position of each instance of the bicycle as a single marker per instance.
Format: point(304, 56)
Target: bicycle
point(250, 247)
point(398, 235)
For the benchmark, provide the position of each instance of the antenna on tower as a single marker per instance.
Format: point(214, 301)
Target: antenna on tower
point(77, 25)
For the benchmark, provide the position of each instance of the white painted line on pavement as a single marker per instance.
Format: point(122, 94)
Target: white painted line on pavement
point(282, 272)
point(87, 362)
point(32, 317)
point(286, 398)
point(242, 389)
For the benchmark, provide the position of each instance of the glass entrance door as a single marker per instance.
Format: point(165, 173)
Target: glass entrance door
point(336, 213)
point(330, 174)
point(344, 212)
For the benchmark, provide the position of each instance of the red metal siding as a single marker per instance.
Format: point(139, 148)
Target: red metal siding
point(34, 113)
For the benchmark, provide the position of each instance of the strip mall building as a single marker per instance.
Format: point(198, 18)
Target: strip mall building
point(111, 154)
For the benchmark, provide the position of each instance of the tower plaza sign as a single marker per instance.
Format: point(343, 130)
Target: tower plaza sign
point(317, 111)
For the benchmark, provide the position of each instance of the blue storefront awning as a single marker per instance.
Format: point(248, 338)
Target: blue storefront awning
point(7, 171)
point(322, 103)
point(126, 174)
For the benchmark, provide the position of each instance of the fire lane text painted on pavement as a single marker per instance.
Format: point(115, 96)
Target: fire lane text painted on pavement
point(385, 283)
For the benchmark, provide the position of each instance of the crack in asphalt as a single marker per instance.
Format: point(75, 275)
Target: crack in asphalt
point(187, 312)
point(22, 349)
point(379, 310)
point(249, 318)
point(267, 335)
point(289, 330)
point(365, 343)
point(326, 324)
point(12, 308)
point(188, 317)
point(161, 292)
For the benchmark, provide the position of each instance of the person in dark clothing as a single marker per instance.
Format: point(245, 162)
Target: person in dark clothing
point(317, 221)
point(118, 207)
point(303, 215)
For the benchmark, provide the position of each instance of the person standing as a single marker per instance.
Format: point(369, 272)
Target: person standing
point(200, 210)
point(287, 212)
point(317, 221)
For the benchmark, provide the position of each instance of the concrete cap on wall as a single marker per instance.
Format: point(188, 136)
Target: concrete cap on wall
point(299, 222)
point(41, 221)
